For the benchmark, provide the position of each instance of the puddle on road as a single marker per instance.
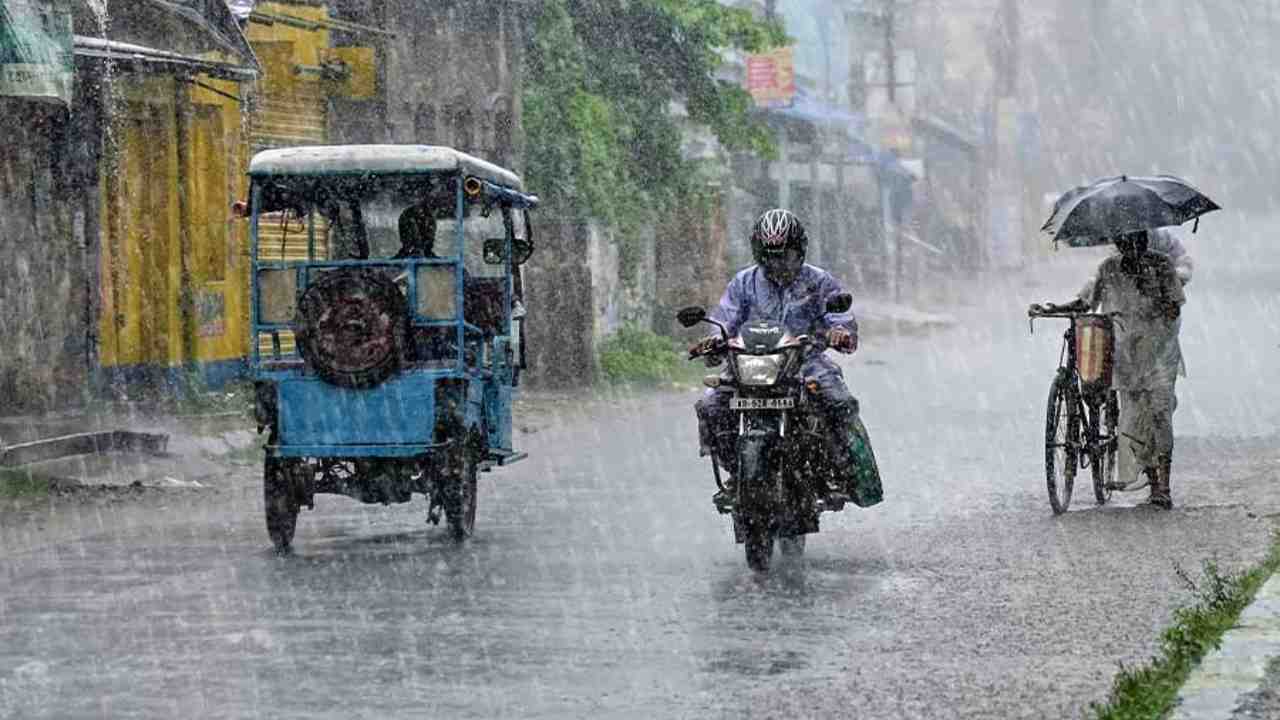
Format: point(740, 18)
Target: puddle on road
point(753, 662)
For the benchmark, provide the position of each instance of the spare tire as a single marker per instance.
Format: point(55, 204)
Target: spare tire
point(351, 327)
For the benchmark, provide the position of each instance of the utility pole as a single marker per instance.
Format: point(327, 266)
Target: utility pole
point(889, 20)
point(783, 162)
point(1009, 202)
point(1010, 30)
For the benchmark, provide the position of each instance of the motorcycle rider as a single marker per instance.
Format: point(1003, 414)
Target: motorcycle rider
point(781, 287)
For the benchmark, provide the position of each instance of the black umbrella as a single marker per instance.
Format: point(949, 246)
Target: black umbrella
point(1093, 214)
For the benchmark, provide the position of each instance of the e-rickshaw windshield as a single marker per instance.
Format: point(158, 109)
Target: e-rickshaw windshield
point(305, 223)
point(322, 219)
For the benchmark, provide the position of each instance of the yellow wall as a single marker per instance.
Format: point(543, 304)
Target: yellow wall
point(173, 262)
point(139, 225)
point(291, 105)
point(219, 243)
point(290, 110)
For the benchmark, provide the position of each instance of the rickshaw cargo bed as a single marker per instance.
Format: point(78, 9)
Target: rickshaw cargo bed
point(314, 412)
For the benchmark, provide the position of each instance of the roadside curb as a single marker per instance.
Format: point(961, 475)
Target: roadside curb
point(1217, 685)
point(159, 451)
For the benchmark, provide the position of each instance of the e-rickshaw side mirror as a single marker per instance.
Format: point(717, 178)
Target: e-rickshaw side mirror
point(494, 251)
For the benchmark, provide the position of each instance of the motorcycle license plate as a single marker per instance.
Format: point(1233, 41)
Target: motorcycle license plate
point(762, 403)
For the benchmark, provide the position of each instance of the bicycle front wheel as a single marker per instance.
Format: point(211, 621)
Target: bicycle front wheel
point(1061, 443)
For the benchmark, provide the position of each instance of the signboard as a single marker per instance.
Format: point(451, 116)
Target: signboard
point(211, 313)
point(771, 77)
point(35, 50)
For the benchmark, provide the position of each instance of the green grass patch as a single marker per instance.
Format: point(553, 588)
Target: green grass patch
point(22, 484)
point(1148, 692)
point(634, 356)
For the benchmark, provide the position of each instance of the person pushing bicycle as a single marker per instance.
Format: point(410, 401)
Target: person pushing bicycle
point(1144, 288)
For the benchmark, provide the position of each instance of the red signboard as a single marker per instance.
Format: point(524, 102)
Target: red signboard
point(771, 77)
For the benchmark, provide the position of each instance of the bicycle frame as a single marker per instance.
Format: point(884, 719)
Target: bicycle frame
point(1094, 440)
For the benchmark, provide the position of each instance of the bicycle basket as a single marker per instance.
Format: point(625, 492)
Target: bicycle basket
point(1095, 349)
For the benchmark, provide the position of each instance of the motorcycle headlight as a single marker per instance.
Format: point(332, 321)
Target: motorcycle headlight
point(760, 369)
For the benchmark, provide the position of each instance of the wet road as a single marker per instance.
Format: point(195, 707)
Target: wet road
point(602, 583)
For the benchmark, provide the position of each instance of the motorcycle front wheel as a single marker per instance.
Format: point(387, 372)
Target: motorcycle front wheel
point(759, 547)
point(756, 504)
point(792, 547)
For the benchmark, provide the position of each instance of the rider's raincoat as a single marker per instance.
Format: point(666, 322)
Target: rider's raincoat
point(801, 309)
point(1147, 355)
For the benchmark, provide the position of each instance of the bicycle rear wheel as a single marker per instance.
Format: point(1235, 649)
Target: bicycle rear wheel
point(1061, 442)
point(1104, 458)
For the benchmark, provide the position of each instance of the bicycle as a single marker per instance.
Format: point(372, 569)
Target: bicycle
point(1083, 415)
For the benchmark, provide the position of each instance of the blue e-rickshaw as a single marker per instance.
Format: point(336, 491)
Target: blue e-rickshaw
point(387, 325)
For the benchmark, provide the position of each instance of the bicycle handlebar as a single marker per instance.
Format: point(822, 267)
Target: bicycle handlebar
point(1072, 314)
point(1033, 314)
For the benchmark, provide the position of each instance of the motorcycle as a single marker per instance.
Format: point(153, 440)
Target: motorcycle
point(783, 461)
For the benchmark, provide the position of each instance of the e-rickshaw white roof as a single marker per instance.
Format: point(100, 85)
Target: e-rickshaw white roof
point(377, 159)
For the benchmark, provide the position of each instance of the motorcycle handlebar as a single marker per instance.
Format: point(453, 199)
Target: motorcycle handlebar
point(722, 347)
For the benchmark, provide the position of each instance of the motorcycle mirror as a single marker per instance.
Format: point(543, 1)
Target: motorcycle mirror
point(495, 251)
point(839, 303)
point(691, 316)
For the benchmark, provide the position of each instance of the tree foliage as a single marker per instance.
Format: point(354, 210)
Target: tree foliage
point(601, 79)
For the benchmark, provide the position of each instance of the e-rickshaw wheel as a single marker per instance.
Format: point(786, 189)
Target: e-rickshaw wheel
point(1061, 442)
point(280, 502)
point(460, 486)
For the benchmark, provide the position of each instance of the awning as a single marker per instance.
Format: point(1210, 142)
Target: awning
point(952, 134)
point(190, 29)
point(241, 8)
point(35, 50)
point(809, 110)
point(216, 19)
point(141, 55)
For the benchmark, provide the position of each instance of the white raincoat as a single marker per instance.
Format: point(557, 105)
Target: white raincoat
point(1147, 355)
